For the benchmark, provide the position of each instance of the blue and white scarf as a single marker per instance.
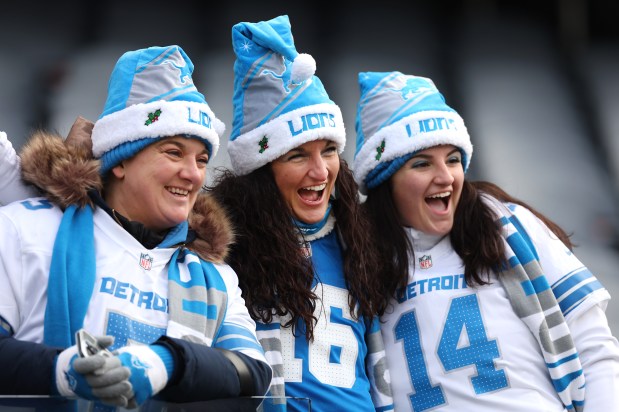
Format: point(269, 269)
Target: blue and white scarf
point(535, 304)
point(195, 286)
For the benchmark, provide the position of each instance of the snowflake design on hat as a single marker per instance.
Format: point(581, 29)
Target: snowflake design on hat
point(380, 150)
point(153, 117)
point(246, 46)
point(264, 144)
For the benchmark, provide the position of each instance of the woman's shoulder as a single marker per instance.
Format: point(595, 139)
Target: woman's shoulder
point(64, 173)
point(32, 220)
point(213, 229)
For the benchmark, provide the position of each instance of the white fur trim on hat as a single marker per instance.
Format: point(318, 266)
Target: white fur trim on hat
point(175, 118)
point(272, 140)
point(410, 134)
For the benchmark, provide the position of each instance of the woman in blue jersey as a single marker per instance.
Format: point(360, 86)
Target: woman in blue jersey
point(304, 262)
point(489, 310)
point(127, 248)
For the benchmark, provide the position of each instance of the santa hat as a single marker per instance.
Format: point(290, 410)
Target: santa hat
point(399, 115)
point(278, 103)
point(151, 95)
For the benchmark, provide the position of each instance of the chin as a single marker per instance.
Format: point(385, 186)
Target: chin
point(310, 218)
point(174, 221)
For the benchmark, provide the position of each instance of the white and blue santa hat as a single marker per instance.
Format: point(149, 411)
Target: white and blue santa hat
point(278, 103)
point(397, 116)
point(151, 95)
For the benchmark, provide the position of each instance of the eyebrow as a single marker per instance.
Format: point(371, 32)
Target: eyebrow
point(425, 156)
point(180, 145)
point(299, 149)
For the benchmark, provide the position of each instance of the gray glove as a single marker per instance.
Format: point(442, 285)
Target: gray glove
point(108, 379)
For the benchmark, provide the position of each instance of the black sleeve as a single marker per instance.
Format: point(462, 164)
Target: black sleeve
point(26, 368)
point(204, 373)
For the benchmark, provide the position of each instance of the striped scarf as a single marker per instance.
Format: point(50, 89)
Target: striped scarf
point(196, 293)
point(535, 304)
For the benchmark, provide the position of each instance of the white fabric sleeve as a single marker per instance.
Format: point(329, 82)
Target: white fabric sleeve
point(599, 354)
point(238, 331)
point(11, 276)
point(12, 188)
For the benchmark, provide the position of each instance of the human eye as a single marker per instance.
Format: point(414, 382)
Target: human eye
point(173, 151)
point(294, 155)
point(419, 163)
point(202, 160)
point(330, 150)
point(455, 159)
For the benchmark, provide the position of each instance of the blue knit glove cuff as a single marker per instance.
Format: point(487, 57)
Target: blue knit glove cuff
point(150, 366)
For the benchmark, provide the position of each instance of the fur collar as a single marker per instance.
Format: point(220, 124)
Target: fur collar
point(65, 174)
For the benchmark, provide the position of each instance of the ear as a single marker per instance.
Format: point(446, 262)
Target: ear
point(119, 170)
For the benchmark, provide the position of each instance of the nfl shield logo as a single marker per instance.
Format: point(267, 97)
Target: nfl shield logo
point(146, 261)
point(425, 262)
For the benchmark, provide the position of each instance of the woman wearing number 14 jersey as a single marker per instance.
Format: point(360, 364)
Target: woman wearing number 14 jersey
point(492, 311)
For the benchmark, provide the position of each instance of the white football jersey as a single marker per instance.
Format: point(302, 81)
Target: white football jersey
point(456, 348)
point(130, 295)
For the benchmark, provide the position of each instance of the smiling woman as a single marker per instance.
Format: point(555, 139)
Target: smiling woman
point(126, 247)
point(306, 265)
point(159, 185)
point(426, 189)
point(305, 177)
point(489, 308)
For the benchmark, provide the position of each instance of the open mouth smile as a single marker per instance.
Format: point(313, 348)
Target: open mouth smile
point(439, 201)
point(177, 191)
point(312, 193)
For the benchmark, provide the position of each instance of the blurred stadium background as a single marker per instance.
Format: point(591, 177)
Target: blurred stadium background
point(537, 82)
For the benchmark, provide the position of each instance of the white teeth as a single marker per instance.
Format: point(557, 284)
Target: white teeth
point(178, 191)
point(440, 195)
point(316, 188)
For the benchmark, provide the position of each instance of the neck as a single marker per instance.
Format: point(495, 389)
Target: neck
point(421, 240)
point(148, 238)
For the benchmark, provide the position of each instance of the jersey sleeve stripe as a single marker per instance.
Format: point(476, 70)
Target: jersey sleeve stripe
point(571, 280)
point(575, 298)
point(234, 337)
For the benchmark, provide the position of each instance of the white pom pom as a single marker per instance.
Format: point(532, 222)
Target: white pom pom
point(303, 67)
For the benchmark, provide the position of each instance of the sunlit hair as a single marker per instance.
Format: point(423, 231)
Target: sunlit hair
point(475, 236)
point(274, 276)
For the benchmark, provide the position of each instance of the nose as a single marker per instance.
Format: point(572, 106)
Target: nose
point(443, 175)
point(318, 168)
point(192, 171)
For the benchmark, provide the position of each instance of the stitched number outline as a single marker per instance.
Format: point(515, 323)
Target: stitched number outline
point(38, 204)
point(332, 356)
point(464, 317)
point(127, 330)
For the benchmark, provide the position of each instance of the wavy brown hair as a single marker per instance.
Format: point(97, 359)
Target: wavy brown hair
point(275, 278)
point(475, 236)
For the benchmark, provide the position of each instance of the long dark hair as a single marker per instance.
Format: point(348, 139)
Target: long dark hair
point(275, 278)
point(475, 236)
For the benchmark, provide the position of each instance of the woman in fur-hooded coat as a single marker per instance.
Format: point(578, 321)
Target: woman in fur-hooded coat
point(115, 276)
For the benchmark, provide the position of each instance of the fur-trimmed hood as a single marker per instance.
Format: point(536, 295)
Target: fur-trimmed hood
point(65, 173)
